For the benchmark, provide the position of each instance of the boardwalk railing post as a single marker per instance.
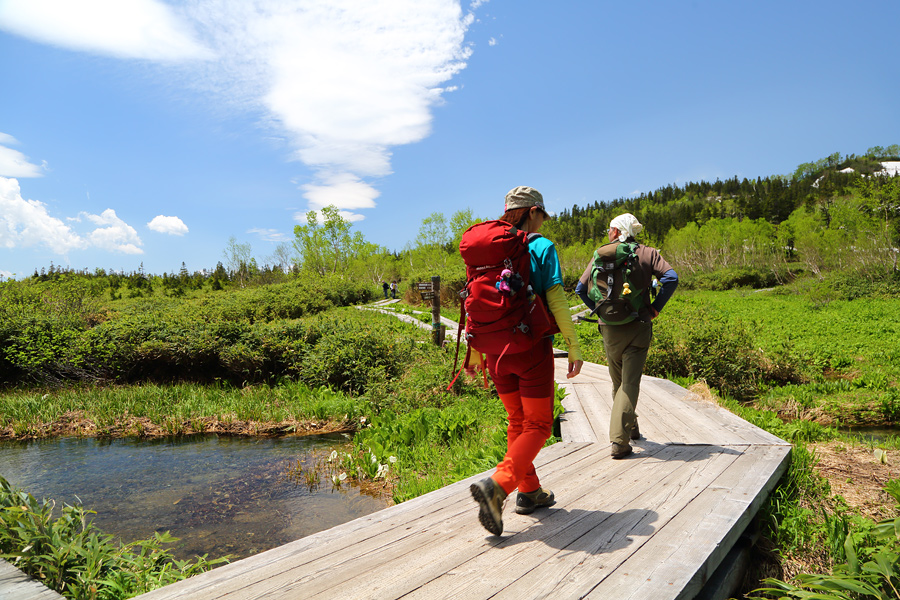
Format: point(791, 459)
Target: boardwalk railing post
point(437, 327)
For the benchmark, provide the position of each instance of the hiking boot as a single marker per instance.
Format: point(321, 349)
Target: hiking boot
point(490, 497)
point(620, 450)
point(526, 502)
point(635, 433)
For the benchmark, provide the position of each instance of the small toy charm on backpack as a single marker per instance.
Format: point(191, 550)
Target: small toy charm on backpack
point(508, 283)
point(614, 285)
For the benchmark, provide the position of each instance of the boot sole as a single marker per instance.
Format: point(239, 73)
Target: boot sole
point(485, 514)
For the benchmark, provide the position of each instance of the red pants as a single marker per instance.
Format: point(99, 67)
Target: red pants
point(530, 417)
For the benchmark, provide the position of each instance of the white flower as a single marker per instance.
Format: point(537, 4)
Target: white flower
point(333, 456)
point(342, 476)
point(392, 459)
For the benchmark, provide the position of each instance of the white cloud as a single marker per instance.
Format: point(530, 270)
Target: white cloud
point(344, 191)
point(146, 29)
point(169, 225)
point(343, 81)
point(25, 223)
point(114, 234)
point(271, 235)
point(13, 163)
point(492, 42)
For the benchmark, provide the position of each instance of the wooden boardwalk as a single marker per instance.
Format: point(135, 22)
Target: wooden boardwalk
point(16, 585)
point(653, 526)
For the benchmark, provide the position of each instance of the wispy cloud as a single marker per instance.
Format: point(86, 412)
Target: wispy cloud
point(271, 235)
point(342, 81)
point(345, 191)
point(15, 164)
point(168, 225)
point(144, 29)
point(26, 223)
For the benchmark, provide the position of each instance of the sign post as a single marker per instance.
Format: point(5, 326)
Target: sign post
point(432, 291)
point(437, 327)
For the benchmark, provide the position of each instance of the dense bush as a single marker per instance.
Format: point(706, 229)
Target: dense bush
point(344, 351)
point(722, 352)
point(695, 341)
point(58, 331)
point(731, 278)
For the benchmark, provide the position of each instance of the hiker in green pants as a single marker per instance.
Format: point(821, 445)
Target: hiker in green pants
point(627, 344)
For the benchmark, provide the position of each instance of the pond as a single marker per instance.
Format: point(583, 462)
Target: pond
point(218, 495)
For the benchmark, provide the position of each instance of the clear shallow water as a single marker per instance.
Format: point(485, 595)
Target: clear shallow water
point(876, 434)
point(219, 495)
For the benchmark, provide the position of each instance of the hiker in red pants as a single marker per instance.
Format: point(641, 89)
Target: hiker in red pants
point(524, 380)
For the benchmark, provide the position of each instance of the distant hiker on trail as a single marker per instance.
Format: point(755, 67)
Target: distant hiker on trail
point(524, 378)
point(385, 287)
point(617, 287)
point(394, 289)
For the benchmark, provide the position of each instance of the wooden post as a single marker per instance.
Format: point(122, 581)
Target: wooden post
point(437, 328)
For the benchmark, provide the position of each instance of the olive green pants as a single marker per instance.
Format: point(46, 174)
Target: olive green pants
point(626, 352)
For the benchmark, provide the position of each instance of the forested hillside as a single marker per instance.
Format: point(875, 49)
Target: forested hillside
point(832, 215)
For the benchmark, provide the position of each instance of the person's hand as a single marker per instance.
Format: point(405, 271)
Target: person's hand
point(653, 313)
point(574, 368)
point(474, 364)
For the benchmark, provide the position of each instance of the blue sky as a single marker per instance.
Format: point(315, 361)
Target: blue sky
point(144, 131)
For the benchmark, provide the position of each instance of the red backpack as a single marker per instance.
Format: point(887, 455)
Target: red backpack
point(500, 311)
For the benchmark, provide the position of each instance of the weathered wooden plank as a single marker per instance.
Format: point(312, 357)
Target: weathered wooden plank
point(547, 560)
point(596, 405)
point(574, 423)
point(722, 418)
point(443, 542)
point(16, 585)
point(594, 371)
point(687, 551)
point(682, 418)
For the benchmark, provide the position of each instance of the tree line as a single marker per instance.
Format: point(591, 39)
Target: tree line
point(833, 214)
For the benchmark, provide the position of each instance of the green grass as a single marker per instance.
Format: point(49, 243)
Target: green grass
point(107, 405)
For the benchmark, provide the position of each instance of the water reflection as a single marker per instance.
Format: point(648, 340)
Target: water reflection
point(219, 495)
point(878, 433)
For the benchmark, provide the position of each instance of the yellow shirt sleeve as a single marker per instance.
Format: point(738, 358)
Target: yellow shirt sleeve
point(559, 306)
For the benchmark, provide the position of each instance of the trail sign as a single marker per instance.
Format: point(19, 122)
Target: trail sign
point(424, 286)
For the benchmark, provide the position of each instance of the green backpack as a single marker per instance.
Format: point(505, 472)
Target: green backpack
point(617, 294)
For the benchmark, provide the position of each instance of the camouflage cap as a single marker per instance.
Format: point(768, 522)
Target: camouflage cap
point(525, 197)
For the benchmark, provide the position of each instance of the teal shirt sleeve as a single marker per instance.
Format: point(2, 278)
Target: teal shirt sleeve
point(545, 270)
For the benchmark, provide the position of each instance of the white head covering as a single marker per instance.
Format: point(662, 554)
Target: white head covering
point(628, 226)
